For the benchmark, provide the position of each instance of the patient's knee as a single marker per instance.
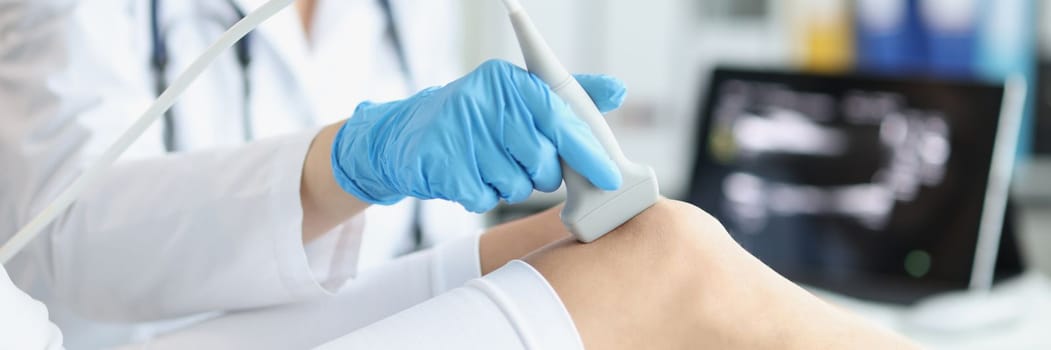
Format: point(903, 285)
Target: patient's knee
point(675, 227)
point(669, 238)
point(643, 271)
point(674, 217)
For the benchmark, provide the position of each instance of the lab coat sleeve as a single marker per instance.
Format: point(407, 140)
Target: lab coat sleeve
point(374, 295)
point(512, 308)
point(158, 237)
point(198, 232)
point(23, 321)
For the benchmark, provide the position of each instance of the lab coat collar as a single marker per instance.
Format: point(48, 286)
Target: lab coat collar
point(285, 33)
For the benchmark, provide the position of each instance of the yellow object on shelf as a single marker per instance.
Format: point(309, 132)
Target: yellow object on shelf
point(823, 34)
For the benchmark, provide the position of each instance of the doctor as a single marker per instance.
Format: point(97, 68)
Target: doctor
point(301, 70)
point(305, 68)
point(308, 67)
point(672, 274)
point(258, 224)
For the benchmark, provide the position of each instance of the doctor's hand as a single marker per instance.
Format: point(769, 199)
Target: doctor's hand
point(497, 133)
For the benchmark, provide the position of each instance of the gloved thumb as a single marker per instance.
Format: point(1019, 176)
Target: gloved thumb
point(606, 91)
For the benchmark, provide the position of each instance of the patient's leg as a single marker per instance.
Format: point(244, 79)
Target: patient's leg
point(672, 278)
point(370, 297)
point(516, 239)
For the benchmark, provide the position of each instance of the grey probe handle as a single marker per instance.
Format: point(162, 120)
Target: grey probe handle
point(589, 212)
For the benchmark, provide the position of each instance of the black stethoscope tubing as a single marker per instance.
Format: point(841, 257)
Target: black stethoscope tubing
point(159, 58)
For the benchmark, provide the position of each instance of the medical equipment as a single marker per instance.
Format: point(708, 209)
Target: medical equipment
point(589, 212)
point(160, 57)
point(873, 187)
point(95, 171)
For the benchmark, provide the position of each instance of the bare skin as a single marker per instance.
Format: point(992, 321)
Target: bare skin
point(519, 238)
point(325, 204)
point(672, 278)
point(306, 9)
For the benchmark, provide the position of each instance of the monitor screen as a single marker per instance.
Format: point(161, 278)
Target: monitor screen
point(856, 184)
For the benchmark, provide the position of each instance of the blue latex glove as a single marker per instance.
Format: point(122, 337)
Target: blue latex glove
point(494, 134)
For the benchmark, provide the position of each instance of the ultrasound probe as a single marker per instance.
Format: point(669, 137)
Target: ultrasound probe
point(589, 212)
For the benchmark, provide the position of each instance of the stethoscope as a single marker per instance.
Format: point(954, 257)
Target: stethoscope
point(159, 58)
point(243, 52)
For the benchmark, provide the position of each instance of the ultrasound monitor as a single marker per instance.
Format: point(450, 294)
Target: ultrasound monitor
point(872, 187)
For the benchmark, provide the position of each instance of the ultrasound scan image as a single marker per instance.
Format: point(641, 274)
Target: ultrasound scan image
point(826, 178)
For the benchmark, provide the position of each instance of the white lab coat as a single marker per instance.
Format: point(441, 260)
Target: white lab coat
point(216, 227)
point(24, 323)
point(511, 308)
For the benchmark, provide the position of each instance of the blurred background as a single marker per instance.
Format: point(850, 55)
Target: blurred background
point(666, 51)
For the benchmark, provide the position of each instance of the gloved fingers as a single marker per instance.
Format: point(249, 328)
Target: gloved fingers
point(534, 154)
point(514, 187)
point(355, 175)
point(476, 197)
point(503, 174)
point(457, 178)
point(582, 152)
point(606, 91)
point(571, 136)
